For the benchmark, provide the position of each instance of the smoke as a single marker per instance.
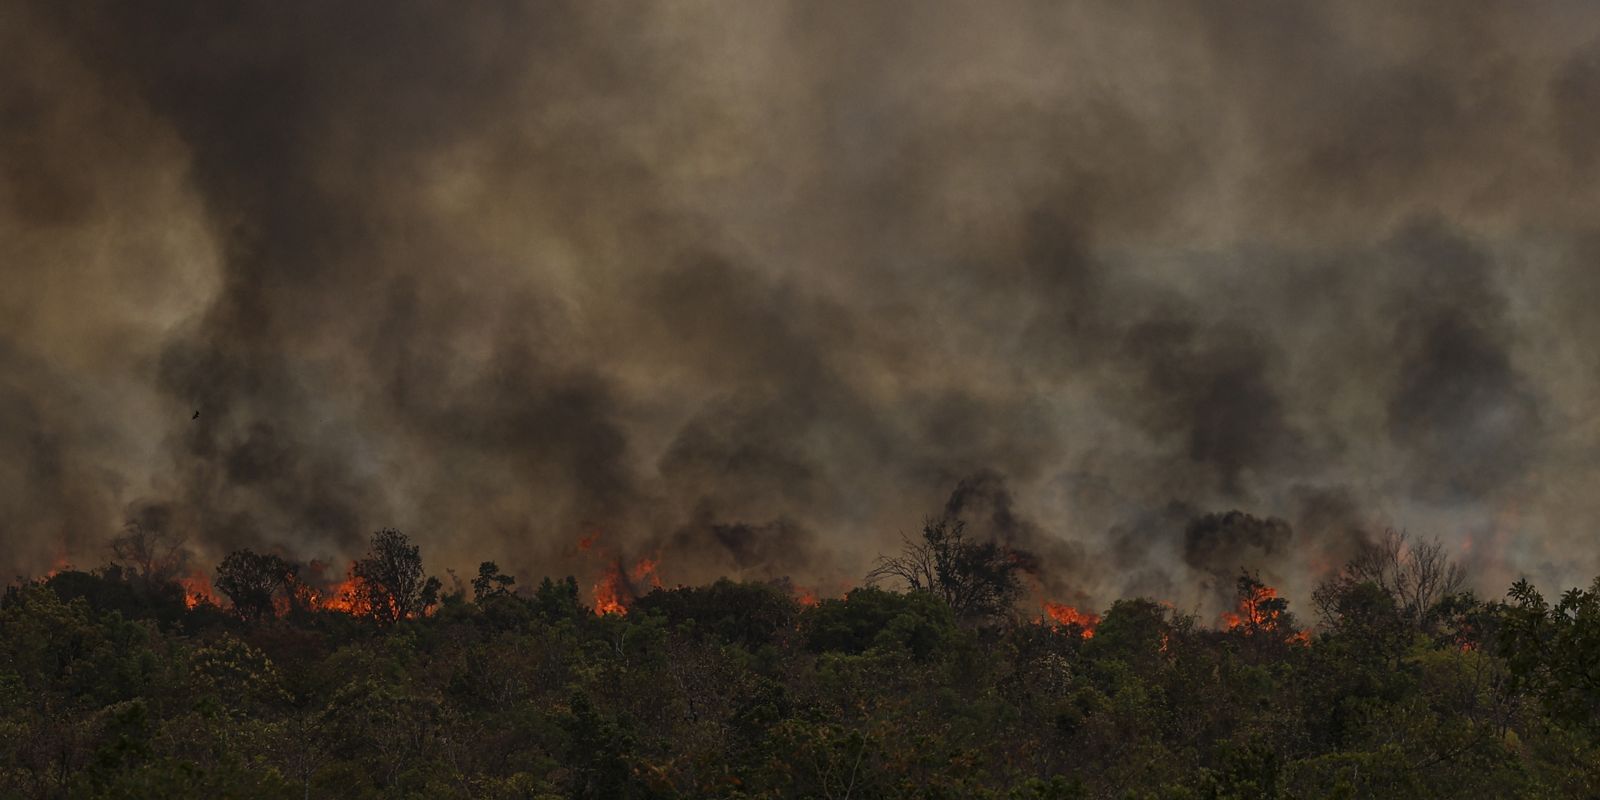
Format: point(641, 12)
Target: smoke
point(755, 288)
point(1220, 545)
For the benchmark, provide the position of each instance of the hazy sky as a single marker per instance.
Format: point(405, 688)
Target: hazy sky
point(756, 286)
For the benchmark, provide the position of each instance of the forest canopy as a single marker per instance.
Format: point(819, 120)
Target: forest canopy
point(931, 680)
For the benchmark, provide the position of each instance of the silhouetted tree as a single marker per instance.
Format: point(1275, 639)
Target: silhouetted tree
point(490, 582)
point(251, 580)
point(1416, 574)
point(977, 580)
point(1258, 608)
point(390, 583)
point(152, 549)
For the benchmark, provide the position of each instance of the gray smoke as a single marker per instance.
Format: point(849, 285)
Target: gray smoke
point(754, 288)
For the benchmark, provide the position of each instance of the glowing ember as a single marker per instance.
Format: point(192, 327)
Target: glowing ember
point(1066, 615)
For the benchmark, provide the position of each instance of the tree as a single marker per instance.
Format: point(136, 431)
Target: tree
point(390, 584)
point(752, 614)
point(1415, 573)
point(869, 617)
point(978, 580)
point(251, 580)
point(1555, 651)
point(1258, 610)
point(558, 600)
point(490, 583)
point(152, 548)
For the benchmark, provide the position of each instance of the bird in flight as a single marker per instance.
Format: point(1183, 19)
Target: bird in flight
point(196, 415)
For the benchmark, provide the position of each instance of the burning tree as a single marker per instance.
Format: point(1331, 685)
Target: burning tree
point(1083, 622)
point(1260, 612)
point(976, 579)
point(389, 584)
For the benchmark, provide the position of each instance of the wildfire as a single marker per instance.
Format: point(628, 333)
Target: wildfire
point(1255, 611)
point(61, 564)
point(297, 594)
point(197, 591)
point(347, 597)
point(806, 596)
point(646, 569)
point(1066, 615)
point(607, 592)
point(1262, 610)
point(614, 589)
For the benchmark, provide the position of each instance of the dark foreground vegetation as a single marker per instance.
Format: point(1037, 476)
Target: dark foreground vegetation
point(117, 683)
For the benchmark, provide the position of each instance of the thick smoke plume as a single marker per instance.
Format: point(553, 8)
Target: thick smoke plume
point(754, 288)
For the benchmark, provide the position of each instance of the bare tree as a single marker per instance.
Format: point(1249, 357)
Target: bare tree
point(976, 579)
point(153, 550)
point(1415, 573)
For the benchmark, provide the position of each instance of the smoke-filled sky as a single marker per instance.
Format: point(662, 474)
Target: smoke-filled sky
point(756, 287)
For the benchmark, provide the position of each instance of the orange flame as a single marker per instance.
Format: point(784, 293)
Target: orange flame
point(1254, 611)
point(297, 595)
point(197, 591)
point(1069, 616)
point(614, 589)
point(646, 568)
point(1257, 612)
point(805, 596)
point(607, 594)
point(347, 597)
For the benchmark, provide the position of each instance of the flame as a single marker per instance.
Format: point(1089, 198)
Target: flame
point(1253, 611)
point(606, 592)
point(347, 597)
point(614, 589)
point(646, 568)
point(805, 596)
point(1066, 615)
point(197, 591)
point(62, 564)
point(297, 595)
point(1257, 613)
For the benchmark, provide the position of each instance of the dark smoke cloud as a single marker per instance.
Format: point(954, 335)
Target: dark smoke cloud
point(757, 287)
point(1222, 545)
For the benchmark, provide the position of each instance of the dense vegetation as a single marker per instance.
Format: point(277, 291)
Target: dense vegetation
point(112, 685)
